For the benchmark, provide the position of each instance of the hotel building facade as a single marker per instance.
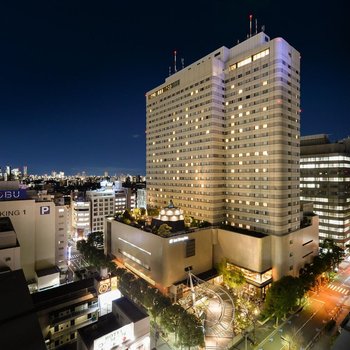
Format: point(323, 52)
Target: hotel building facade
point(223, 137)
point(223, 142)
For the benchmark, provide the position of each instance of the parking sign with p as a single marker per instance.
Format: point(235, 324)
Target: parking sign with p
point(44, 210)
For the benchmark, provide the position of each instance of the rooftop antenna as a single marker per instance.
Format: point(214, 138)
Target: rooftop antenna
point(169, 71)
point(183, 63)
point(263, 28)
point(256, 26)
point(175, 69)
point(250, 25)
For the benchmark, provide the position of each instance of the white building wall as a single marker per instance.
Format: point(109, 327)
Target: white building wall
point(80, 217)
point(22, 215)
point(11, 257)
point(34, 224)
point(102, 205)
point(45, 234)
point(62, 229)
point(157, 259)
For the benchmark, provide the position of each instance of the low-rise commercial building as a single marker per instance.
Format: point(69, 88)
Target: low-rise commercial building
point(127, 327)
point(164, 261)
point(63, 310)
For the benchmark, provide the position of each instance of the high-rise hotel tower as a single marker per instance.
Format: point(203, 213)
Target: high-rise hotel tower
point(223, 137)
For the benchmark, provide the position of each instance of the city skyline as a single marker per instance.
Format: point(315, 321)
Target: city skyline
point(74, 76)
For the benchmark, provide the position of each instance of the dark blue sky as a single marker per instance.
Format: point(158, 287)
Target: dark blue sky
point(73, 74)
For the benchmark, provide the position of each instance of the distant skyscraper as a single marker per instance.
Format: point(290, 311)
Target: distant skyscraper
point(325, 181)
point(223, 137)
point(25, 170)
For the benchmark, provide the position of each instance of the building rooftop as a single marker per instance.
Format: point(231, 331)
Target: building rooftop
point(6, 224)
point(134, 313)
point(66, 292)
point(19, 326)
point(320, 144)
point(243, 231)
point(105, 324)
point(47, 271)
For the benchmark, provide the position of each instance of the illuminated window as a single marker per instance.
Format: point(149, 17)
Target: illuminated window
point(261, 54)
point(244, 62)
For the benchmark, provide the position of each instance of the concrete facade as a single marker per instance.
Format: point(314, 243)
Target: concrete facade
point(10, 252)
point(162, 261)
point(34, 223)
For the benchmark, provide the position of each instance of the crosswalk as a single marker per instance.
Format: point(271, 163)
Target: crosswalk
point(338, 289)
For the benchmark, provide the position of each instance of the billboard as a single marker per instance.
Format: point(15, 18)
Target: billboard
point(10, 195)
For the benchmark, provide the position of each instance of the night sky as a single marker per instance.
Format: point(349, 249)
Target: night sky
point(73, 74)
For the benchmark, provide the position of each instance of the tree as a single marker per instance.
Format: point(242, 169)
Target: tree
point(93, 255)
point(232, 276)
point(164, 230)
point(153, 211)
point(331, 253)
point(126, 283)
point(171, 318)
point(127, 215)
point(190, 331)
point(95, 239)
point(137, 213)
point(282, 297)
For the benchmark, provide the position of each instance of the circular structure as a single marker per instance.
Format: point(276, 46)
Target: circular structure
point(212, 304)
point(171, 213)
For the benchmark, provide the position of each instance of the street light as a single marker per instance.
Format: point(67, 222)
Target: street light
point(286, 340)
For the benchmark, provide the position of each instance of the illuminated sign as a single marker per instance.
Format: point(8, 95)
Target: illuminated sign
point(44, 210)
point(114, 283)
point(115, 338)
point(11, 195)
point(180, 239)
point(104, 286)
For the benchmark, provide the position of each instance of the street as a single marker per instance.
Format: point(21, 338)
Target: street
point(331, 301)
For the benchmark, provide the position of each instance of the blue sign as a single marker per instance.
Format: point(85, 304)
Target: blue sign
point(11, 195)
